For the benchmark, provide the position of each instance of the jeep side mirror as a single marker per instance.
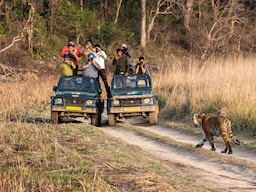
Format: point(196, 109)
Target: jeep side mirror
point(54, 88)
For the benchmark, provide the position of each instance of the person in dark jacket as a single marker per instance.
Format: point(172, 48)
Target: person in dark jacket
point(121, 63)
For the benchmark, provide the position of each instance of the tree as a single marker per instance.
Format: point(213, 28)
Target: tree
point(143, 33)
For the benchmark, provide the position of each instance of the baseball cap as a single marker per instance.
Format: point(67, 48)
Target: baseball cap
point(70, 39)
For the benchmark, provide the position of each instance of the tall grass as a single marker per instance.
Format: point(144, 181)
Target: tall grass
point(225, 87)
point(35, 156)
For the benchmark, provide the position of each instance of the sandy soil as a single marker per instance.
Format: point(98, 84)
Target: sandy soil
point(225, 176)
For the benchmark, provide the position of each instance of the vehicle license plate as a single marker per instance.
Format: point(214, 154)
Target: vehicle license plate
point(129, 109)
point(73, 108)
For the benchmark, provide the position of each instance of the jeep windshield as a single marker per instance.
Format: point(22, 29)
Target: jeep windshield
point(133, 81)
point(77, 83)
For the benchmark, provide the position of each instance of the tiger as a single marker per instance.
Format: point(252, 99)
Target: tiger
point(213, 126)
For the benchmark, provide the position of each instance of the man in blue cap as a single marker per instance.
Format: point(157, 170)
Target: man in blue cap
point(90, 67)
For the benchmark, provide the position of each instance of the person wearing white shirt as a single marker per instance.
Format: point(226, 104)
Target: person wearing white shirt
point(100, 57)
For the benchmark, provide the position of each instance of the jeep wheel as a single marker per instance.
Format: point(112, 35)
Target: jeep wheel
point(95, 119)
point(111, 119)
point(152, 117)
point(55, 119)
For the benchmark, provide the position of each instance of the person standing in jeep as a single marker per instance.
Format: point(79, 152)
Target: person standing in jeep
point(121, 63)
point(65, 49)
point(127, 52)
point(100, 55)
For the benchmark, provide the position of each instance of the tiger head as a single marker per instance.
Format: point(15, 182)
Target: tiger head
point(197, 118)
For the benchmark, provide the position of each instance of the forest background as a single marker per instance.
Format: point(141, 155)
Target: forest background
point(202, 50)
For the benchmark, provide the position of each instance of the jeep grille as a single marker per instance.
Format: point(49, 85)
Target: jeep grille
point(130, 102)
point(74, 101)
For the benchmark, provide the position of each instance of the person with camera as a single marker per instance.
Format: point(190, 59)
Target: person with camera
point(91, 67)
point(65, 49)
point(122, 68)
point(121, 63)
point(127, 52)
point(88, 49)
point(141, 67)
point(100, 55)
point(66, 66)
point(73, 57)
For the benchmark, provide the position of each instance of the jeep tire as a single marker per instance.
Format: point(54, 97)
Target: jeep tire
point(95, 119)
point(152, 117)
point(111, 119)
point(55, 119)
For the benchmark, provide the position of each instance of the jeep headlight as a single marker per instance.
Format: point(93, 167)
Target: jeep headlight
point(58, 101)
point(116, 102)
point(147, 101)
point(89, 102)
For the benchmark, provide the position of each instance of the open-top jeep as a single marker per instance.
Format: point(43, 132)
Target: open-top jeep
point(76, 96)
point(132, 95)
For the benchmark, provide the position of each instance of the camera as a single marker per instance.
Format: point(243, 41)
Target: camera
point(73, 50)
point(90, 59)
point(97, 49)
point(141, 62)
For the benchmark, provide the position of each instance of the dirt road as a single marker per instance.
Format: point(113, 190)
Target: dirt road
point(236, 172)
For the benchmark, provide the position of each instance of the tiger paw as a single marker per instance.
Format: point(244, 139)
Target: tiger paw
point(224, 151)
point(213, 149)
point(198, 145)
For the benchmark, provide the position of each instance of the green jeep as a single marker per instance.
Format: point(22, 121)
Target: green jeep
point(132, 95)
point(77, 96)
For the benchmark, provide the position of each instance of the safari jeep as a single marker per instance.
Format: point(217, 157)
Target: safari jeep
point(76, 96)
point(132, 96)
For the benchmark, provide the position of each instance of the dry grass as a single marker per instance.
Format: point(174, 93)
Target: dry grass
point(226, 87)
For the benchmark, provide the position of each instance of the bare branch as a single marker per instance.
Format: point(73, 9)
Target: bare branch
point(1, 2)
point(117, 11)
point(15, 39)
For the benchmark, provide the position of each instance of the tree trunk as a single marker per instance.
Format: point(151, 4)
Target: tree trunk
point(52, 9)
point(106, 9)
point(186, 14)
point(82, 5)
point(143, 35)
point(117, 10)
point(30, 30)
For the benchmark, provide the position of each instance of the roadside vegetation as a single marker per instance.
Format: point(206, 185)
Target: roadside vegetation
point(225, 87)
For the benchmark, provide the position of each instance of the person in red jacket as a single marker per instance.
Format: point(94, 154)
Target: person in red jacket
point(65, 50)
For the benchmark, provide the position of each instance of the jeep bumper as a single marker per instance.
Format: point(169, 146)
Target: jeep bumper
point(134, 109)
